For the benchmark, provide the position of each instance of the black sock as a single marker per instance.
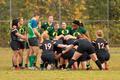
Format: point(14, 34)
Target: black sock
point(42, 66)
point(98, 63)
point(56, 63)
point(20, 65)
point(64, 66)
point(34, 64)
point(15, 66)
point(70, 63)
point(26, 65)
point(46, 64)
point(60, 66)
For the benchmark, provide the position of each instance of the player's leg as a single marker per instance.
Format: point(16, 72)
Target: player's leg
point(74, 58)
point(20, 58)
point(15, 47)
point(75, 66)
point(51, 61)
point(36, 52)
point(62, 62)
point(83, 65)
point(95, 59)
point(14, 59)
point(106, 65)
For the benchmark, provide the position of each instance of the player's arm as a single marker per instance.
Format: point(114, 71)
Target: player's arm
point(36, 32)
point(21, 36)
point(62, 46)
point(70, 47)
point(107, 47)
point(15, 31)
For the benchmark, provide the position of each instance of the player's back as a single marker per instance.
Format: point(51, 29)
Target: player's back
point(59, 50)
point(47, 46)
point(100, 45)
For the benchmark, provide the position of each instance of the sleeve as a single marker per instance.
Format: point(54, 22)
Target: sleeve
point(82, 30)
point(106, 43)
point(34, 24)
point(56, 44)
point(14, 31)
point(75, 42)
point(41, 46)
point(93, 43)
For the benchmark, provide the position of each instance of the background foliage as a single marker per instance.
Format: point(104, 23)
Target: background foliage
point(95, 14)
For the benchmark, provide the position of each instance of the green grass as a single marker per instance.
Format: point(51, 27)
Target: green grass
point(7, 74)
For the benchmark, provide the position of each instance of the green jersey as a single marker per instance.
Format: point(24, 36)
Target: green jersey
point(22, 31)
point(46, 25)
point(82, 30)
point(64, 31)
point(32, 24)
point(52, 33)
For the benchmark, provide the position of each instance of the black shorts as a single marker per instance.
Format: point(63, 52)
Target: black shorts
point(26, 45)
point(22, 44)
point(84, 57)
point(68, 55)
point(15, 45)
point(33, 41)
point(48, 58)
point(103, 56)
point(86, 48)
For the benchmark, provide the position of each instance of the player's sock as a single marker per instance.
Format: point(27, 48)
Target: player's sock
point(42, 66)
point(64, 66)
point(70, 63)
point(60, 66)
point(20, 65)
point(26, 65)
point(88, 66)
point(56, 63)
point(15, 66)
point(98, 63)
point(34, 60)
point(31, 61)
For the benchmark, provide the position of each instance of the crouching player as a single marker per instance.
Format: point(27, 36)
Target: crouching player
point(48, 56)
point(102, 49)
point(83, 45)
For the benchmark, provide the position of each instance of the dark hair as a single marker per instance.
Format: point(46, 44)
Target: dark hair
point(36, 14)
point(15, 22)
point(81, 25)
point(76, 22)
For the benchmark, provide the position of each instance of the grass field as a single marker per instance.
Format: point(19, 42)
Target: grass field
point(7, 74)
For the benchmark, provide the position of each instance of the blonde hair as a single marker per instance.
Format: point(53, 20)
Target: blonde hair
point(99, 33)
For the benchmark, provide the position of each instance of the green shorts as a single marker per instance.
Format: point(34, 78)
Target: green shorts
point(33, 41)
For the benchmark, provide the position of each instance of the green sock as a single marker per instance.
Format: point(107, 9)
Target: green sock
point(31, 60)
point(35, 59)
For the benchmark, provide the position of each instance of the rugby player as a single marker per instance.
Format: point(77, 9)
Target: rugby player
point(83, 45)
point(16, 44)
point(102, 49)
point(33, 38)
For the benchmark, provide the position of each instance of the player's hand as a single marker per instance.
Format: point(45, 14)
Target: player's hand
point(25, 37)
point(63, 52)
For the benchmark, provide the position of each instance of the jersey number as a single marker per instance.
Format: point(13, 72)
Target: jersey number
point(101, 45)
point(48, 46)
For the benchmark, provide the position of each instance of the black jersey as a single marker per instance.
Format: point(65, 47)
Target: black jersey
point(14, 37)
point(56, 48)
point(47, 47)
point(100, 45)
point(84, 46)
